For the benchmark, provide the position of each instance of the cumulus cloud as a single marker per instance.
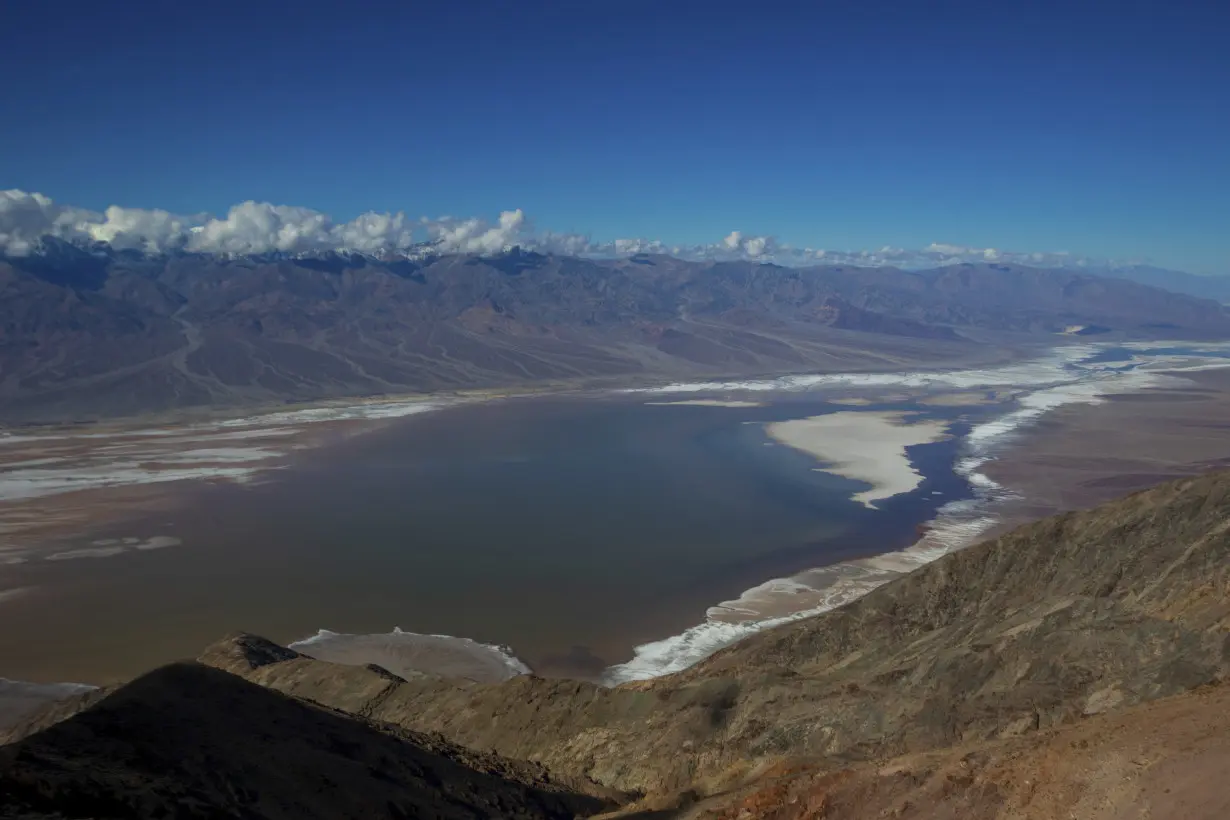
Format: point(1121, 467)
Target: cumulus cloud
point(631, 247)
point(152, 231)
point(258, 227)
point(261, 227)
point(751, 247)
point(25, 218)
point(951, 250)
point(247, 228)
point(565, 244)
point(372, 232)
point(476, 236)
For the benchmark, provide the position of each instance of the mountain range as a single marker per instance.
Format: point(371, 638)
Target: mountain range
point(88, 331)
point(1073, 667)
point(1216, 288)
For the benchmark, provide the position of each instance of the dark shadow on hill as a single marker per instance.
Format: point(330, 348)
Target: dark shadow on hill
point(512, 262)
point(190, 741)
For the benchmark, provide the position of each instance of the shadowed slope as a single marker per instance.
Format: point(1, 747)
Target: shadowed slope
point(190, 741)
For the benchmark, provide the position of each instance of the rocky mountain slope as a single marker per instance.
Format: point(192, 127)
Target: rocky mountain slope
point(936, 690)
point(93, 332)
point(1165, 760)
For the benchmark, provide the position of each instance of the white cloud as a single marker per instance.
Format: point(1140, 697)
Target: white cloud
point(948, 250)
point(751, 247)
point(153, 231)
point(258, 227)
point(476, 236)
point(372, 232)
point(631, 247)
point(26, 217)
point(566, 244)
point(756, 246)
point(248, 228)
point(261, 227)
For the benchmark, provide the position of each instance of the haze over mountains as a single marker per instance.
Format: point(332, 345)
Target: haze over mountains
point(89, 330)
point(1216, 288)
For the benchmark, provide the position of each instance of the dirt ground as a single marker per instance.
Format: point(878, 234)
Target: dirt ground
point(1083, 455)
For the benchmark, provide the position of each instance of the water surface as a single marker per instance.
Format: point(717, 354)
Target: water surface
point(571, 530)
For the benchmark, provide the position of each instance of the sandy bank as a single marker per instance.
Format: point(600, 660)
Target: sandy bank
point(970, 399)
point(867, 447)
point(409, 654)
point(707, 403)
point(58, 482)
point(55, 461)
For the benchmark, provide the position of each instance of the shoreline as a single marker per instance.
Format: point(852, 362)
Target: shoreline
point(818, 589)
point(1004, 353)
point(56, 485)
point(61, 478)
point(957, 524)
point(409, 654)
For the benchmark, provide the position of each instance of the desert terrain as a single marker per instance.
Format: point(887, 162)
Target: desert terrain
point(1082, 455)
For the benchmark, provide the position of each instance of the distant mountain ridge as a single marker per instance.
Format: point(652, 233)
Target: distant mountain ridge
point(1212, 287)
point(89, 331)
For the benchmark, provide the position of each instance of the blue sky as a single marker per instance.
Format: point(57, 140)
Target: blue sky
point(1097, 128)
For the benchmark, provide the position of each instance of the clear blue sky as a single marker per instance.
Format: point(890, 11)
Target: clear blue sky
point(1099, 128)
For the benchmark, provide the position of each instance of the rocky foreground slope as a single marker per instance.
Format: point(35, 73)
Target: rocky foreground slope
point(944, 694)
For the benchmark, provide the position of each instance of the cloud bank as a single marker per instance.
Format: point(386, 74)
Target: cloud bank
point(261, 227)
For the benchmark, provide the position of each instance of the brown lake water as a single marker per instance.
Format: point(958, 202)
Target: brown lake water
point(571, 530)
